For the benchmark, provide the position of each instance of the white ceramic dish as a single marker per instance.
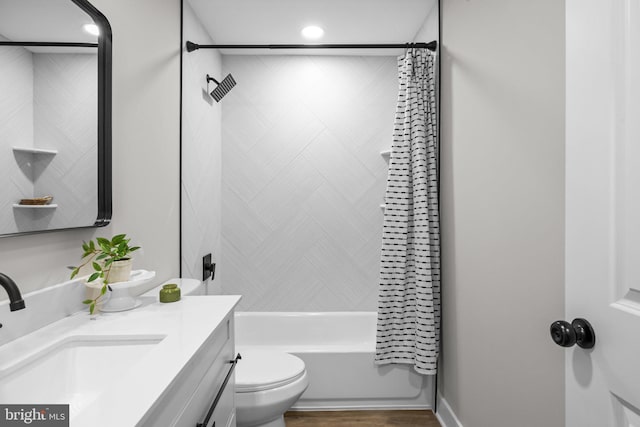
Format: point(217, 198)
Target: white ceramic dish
point(119, 297)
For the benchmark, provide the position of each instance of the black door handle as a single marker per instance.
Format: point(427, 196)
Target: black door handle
point(579, 332)
point(233, 363)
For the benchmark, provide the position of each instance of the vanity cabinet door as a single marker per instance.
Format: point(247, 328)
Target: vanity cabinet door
point(187, 401)
point(224, 414)
point(217, 387)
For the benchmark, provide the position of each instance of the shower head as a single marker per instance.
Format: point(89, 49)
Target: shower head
point(222, 87)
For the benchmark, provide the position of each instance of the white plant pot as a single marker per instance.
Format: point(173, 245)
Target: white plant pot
point(122, 295)
point(120, 271)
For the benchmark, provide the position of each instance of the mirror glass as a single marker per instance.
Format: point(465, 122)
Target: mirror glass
point(55, 126)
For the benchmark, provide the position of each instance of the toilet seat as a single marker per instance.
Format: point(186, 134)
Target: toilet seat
point(260, 370)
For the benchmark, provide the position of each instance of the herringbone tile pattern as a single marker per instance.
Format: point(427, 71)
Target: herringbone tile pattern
point(66, 119)
point(302, 180)
point(201, 153)
point(16, 128)
point(48, 100)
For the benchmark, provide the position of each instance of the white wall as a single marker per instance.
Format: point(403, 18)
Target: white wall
point(201, 151)
point(502, 211)
point(303, 180)
point(430, 28)
point(146, 76)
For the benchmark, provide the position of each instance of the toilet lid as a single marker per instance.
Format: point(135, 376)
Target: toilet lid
point(265, 369)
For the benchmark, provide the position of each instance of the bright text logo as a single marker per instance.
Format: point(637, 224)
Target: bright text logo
point(34, 415)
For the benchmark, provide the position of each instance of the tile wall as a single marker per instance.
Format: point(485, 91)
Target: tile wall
point(303, 178)
point(201, 152)
point(49, 101)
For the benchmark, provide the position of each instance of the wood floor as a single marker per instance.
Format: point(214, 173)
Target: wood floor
point(361, 419)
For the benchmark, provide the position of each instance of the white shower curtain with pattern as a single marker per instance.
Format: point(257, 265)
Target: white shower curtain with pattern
point(409, 291)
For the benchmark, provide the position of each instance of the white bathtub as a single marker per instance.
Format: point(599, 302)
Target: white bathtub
point(338, 349)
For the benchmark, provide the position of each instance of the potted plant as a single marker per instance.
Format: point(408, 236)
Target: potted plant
point(111, 262)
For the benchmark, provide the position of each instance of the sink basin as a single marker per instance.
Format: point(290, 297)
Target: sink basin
point(73, 370)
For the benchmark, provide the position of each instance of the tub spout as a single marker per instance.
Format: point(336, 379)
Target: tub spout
point(16, 301)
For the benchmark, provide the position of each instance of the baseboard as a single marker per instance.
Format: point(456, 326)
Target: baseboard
point(445, 414)
point(354, 407)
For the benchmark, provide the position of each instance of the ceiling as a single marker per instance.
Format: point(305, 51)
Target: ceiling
point(280, 21)
point(43, 21)
point(240, 21)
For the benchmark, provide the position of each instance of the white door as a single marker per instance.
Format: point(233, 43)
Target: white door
point(603, 210)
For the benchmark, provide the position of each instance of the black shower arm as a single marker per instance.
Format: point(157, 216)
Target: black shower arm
point(431, 46)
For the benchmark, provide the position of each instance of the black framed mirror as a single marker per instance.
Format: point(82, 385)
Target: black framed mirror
point(55, 117)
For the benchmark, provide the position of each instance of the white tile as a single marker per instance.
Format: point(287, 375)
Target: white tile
point(202, 157)
point(343, 170)
point(282, 198)
point(303, 180)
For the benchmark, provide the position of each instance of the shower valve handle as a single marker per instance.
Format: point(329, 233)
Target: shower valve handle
point(567, 334)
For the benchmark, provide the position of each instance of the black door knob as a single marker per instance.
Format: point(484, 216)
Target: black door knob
point(578, 332)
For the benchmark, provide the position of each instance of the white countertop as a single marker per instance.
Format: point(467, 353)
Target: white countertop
point(185, 325)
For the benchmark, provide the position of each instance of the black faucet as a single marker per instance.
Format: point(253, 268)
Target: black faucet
point(16, 301)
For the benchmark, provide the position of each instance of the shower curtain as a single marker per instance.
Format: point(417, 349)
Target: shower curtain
point(409, 290)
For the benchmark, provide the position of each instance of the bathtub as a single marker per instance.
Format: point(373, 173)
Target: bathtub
point(338, 350)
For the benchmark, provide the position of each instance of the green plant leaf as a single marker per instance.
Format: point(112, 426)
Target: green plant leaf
point(105, 244)
point(106, 251)
point(102, 241)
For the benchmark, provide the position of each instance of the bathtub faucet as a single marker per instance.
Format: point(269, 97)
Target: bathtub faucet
point(16, 301)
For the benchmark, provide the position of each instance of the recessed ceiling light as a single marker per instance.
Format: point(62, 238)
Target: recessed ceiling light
point(312, 32)
point(91, 29)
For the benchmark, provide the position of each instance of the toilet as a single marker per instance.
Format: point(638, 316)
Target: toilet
point(268, 382)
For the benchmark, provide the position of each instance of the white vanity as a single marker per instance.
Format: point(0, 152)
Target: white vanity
point(158, 365)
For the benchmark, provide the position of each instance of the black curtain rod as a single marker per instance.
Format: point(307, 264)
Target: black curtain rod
point(55, 44)
point(431, 46)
